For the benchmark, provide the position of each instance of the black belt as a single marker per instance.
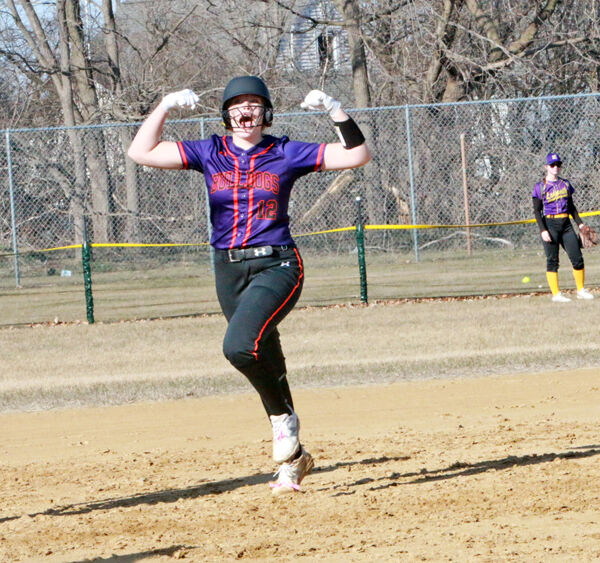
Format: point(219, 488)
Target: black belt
point(239, 254)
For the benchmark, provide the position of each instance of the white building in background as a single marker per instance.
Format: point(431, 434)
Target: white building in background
point(306, 46)
point(309, 47)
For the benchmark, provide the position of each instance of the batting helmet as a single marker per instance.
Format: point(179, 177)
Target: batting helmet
point(246, 85)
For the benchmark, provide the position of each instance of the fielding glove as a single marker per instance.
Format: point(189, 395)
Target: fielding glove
point(182, 99)
point(317, 100)
point(589, 237)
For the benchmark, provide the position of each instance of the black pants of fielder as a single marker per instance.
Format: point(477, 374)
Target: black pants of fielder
point(255, 296)
point(562, 233)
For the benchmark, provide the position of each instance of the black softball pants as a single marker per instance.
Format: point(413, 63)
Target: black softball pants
point(562, 233)
point(255, 296)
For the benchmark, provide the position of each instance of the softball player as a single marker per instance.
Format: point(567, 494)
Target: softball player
point(552, 205)
point(258, 269)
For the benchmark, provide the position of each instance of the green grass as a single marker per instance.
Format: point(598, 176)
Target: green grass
point(52, 366)
point(153, 288)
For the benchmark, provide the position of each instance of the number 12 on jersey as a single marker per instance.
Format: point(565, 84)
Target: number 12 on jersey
point(267, 209)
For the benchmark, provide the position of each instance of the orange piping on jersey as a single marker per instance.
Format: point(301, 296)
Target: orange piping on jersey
point(184, 159)
point(257, 341)
point(320, 156)
point(236, 182)
point(250, 184)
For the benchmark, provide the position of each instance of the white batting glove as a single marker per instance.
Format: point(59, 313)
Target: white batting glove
point(317, 100)
point(182, 99)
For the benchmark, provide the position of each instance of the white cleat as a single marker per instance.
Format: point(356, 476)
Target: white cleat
point(584, 294)
point(290, 474)
point(285, 436)
point(560, 298)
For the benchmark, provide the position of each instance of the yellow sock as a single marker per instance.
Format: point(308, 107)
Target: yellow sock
point(552, 278)
point(579, 276)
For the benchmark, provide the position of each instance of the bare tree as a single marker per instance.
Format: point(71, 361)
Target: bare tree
point(131, 232)
point(451, 50)
point(67, 67)
point(88, 81)
point(398, 52)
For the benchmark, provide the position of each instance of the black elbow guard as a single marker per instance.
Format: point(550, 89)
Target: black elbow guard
point(349, 133)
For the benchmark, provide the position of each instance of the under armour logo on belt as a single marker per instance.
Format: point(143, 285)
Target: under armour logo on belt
point(286, 263)
point(260, 251)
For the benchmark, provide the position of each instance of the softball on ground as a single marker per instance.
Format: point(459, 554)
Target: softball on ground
point(526, 279)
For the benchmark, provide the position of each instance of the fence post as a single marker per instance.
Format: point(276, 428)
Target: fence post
point(13, 214)
point(411, 175)
point(360, 247)
point(87, 274)
point(463, 154)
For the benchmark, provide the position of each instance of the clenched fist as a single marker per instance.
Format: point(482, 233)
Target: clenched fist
point(317, 100)
point(182, 99)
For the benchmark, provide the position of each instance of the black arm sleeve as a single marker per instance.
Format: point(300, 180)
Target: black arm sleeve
point(537, 213)
point(573, 211)
point(349, 133)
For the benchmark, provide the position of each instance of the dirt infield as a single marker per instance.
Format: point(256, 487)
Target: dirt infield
point(487, 469)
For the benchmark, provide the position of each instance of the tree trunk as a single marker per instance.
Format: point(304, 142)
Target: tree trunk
point(101, 185)
point(95, 146)
point(132, 227)
point(350, 11)
point(132, 222)
point(360, 77)
point(64, 89)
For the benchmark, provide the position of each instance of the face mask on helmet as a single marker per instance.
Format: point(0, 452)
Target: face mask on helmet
point(245, 116)
point(245, 85)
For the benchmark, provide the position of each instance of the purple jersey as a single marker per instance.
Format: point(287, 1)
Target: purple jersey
point(554, 195)
point(249, 190)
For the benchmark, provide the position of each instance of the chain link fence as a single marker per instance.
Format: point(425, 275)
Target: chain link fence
point(448, 194)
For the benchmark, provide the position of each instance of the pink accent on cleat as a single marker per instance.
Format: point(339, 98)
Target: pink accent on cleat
point(285, 436)
point(290, 474)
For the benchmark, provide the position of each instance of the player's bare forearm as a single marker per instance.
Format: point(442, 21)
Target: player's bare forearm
point(337, 157)
point(147, 148)
point(340, 115)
